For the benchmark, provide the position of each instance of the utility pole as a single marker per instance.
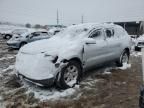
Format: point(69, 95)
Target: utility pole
point(82, 19)
point(57, 17)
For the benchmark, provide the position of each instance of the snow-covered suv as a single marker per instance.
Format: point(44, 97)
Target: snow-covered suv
point(64, 57)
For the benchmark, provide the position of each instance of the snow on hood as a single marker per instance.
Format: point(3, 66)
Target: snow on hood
point(66, 42)
point(70, 39)
point(54, 46)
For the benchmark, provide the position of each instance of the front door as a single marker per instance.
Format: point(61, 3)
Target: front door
point(95, 53)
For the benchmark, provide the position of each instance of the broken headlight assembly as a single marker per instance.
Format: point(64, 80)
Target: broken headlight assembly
point(53, 59)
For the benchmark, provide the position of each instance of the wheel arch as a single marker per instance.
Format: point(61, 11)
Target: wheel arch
point(74, 59)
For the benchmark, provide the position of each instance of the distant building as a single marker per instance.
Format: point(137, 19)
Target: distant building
point(132, 27)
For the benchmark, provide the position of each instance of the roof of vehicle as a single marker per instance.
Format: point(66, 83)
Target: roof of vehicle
point(92, 25)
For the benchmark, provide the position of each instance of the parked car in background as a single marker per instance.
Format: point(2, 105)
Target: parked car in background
point(64, 57)
point(139, 43)
point(22, 37)
point(6, 33)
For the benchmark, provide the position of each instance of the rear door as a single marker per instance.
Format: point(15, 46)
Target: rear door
point(95, 53)
point(114, 43)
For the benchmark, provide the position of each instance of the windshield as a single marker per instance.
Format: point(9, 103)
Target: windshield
point(73, 32)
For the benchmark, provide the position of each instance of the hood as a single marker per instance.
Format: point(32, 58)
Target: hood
point(52, 46)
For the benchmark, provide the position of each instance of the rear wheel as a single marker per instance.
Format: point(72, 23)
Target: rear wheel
point(69, 75)
point(124, 59)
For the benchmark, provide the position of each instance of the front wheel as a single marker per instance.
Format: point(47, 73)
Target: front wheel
point(124, 59)
point(69, 75)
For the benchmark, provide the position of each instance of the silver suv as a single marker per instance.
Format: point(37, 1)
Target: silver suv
point(64, 57)
point(20, 39)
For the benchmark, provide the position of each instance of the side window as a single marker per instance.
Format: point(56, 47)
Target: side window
point(109, 33)
point(35, 34)
point(96, 34)
point(44, 33)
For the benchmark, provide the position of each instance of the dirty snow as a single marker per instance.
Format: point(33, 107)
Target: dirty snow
point(136, 54)
point(125, 66)
point(6, 58)
point(9, 68)
point(51, 93)
point(107, 71)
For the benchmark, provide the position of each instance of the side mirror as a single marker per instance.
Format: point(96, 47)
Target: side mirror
point(90, 41)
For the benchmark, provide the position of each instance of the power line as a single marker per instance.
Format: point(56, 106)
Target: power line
point(57, 17)
point(82, 19)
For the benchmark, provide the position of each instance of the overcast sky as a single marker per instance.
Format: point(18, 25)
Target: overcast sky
point(70, 11)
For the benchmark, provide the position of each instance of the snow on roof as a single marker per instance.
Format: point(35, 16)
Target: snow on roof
point(91, 25)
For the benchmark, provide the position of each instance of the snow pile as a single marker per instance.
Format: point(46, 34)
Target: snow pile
point(125, 66)
point(136, 54)
point(51, 93)
point(6, 58)
point(54, 95)
point(107, 71)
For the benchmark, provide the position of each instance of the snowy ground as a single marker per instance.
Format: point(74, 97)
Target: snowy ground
point(104, 87)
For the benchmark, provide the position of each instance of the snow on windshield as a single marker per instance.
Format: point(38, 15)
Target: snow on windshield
point(72, 32)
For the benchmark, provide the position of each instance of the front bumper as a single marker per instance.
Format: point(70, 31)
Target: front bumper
point(44, 82)
point(36, 68)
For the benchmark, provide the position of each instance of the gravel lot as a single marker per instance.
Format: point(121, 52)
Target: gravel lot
point(103, 87)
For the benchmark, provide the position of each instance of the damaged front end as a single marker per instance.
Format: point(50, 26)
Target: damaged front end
point(40, 69)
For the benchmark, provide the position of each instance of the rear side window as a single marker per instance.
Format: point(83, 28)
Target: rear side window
point(109, 33)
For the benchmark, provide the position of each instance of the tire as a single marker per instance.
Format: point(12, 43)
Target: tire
point(7, 36)
point(22, 44)
point(69, 75)
point(124, 58)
